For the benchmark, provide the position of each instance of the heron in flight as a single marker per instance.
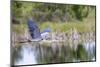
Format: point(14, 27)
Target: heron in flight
point(35, 31)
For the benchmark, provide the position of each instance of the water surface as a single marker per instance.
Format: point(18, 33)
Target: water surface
point(54, 52)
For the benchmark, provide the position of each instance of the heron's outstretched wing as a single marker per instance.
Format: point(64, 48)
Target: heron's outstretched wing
point(33, 29)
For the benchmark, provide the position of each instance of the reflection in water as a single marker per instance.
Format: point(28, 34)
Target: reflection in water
point(90, 48)
point(55, 52)
point(28, 55)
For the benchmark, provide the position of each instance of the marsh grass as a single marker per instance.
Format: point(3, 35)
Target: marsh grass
point(64, 27)
point(86, 26)
point(19, 28)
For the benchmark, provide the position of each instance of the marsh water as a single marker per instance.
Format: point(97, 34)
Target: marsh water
point(54, 52)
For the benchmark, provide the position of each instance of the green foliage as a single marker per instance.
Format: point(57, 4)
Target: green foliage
point(80, 11)
point(50, 12)
point(20, 28)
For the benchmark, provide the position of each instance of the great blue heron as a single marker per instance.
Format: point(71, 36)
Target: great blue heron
point(35, 31)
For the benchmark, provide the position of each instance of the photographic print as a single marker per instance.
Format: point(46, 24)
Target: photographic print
point(52, 33)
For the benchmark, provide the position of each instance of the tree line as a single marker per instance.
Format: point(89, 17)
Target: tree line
point(50, 11)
